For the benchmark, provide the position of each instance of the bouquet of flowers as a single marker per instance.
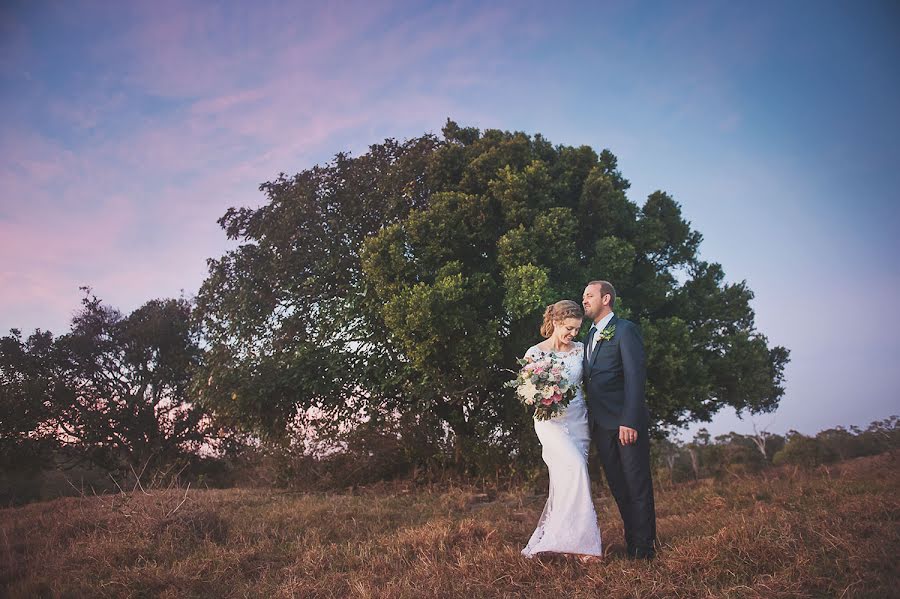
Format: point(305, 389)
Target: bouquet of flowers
point(542, 386)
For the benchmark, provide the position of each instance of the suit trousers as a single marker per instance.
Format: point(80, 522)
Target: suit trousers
point(627, 469)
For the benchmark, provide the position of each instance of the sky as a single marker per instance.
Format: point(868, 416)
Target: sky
point(128, 128)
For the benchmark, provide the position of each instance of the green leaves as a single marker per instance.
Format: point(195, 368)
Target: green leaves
point(522, 195)
point(454, 226)
point(615, 258)
point(527, 290)
point(603, 208)
point(664, 237)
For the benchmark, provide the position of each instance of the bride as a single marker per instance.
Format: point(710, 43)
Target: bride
point(569, 522)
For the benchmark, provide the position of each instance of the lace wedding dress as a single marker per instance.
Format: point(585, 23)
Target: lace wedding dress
point(568, 523)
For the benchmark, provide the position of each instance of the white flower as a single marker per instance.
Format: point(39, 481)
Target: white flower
point(527, 390)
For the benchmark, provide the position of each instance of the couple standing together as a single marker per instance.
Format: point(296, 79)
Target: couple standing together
point(612, 368)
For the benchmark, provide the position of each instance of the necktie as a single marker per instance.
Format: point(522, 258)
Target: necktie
point(590, 339)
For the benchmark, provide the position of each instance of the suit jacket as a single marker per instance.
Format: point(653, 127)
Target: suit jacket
point(615, 375)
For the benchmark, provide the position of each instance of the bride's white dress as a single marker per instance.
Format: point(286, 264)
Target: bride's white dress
point(569, 522)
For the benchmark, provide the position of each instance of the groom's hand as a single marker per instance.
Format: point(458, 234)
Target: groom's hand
point(627, 436)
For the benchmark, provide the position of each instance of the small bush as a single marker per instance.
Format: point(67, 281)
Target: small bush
point(808, 452)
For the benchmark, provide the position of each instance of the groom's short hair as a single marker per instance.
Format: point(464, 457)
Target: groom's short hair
point(606, 288)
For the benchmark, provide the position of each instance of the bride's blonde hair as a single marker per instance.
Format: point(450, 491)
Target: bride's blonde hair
point(558, 312)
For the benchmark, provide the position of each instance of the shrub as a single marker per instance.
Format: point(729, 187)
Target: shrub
point(808, 452)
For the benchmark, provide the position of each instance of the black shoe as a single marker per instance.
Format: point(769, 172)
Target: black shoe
point(647, 553)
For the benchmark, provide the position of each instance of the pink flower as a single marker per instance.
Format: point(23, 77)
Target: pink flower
point(546, 401)
point(556, 397)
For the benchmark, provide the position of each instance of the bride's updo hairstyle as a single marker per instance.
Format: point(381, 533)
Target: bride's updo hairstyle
point(558, 312)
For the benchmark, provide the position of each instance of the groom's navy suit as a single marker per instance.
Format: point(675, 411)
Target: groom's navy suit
point(615, 374)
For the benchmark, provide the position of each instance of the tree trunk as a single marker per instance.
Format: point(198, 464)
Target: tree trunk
point(695, 462)
point(463, 432)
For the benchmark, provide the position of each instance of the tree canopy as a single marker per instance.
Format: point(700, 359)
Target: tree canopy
point(408, 279)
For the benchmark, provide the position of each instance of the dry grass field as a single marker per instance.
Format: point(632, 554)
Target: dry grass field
point(830, 532)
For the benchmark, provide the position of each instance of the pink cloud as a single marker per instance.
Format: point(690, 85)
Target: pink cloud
point(195, 50)
point(133, 212)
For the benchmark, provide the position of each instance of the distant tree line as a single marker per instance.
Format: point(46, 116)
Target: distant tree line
point(111, 402)
point(112, 394)
point(735, 454)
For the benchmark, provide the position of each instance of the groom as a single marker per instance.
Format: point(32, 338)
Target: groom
point(615, 372)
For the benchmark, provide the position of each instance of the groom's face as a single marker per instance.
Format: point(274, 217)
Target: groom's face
point(592, 301)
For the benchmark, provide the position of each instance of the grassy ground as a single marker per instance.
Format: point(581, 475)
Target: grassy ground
point(832, 532)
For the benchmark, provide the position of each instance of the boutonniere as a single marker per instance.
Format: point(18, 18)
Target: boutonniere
point(606, 334)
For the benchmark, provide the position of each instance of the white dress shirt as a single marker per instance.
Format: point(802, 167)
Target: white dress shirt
point(599, 326)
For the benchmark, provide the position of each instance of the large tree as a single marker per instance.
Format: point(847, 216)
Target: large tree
point(408, 279)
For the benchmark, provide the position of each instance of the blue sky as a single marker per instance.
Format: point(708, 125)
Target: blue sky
point(127, 129)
